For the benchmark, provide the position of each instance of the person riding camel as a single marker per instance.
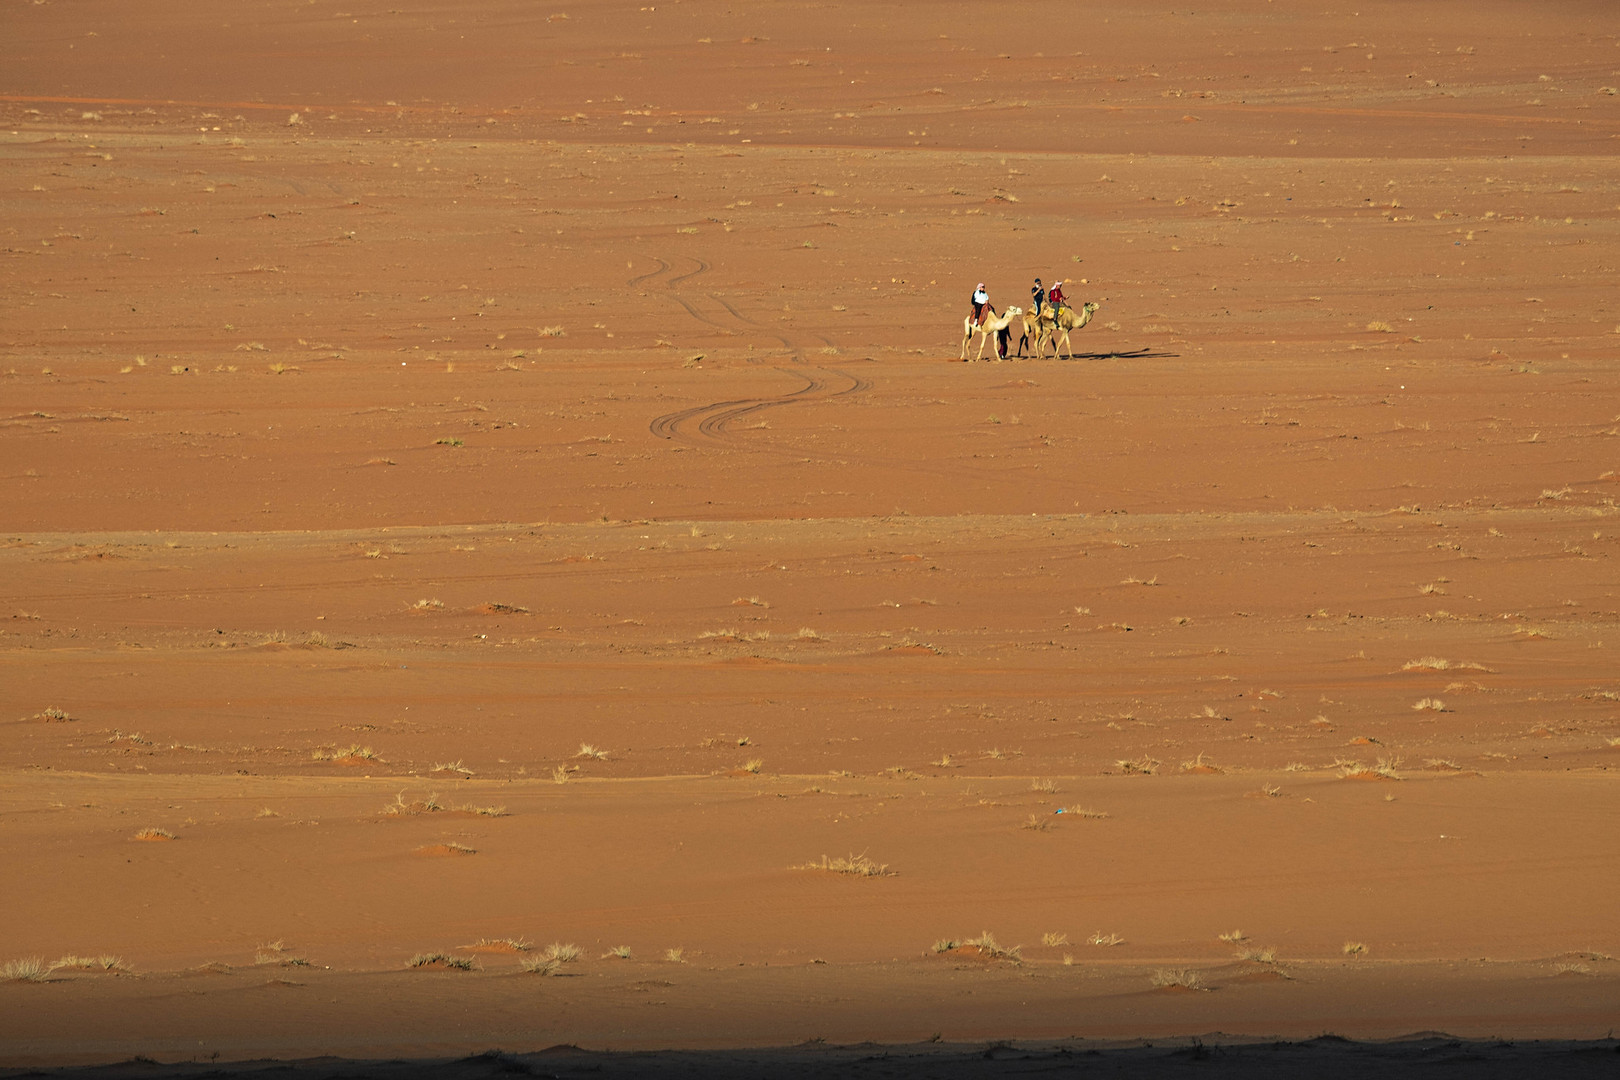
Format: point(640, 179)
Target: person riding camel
point(981, 303)
point(1056, 298)
point(1037, 297)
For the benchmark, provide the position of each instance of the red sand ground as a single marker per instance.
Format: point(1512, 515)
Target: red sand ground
point(464, 384)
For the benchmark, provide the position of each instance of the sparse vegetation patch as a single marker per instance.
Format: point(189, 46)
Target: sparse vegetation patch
point(854, 865)
point(500, 945)
point(353, 754)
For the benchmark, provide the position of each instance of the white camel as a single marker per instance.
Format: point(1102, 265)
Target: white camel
point(1052, 327)
point(986, 329)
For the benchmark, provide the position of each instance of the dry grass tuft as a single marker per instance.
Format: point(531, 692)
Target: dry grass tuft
point(559, 775)
point(1142, 766)
point(1105, 940)
point(854, 865)
point(1354, 948)
point(1084, 811)
point(561, 953)
point(400, 808)
point(586, 750)
point(1380, 327)
point(538, 965)
point(1267, 955)
point(90, 963)
point(1036, 823)
point(1233, 937)
point(988, 946)
point(31, 969)
point(753, 765)
point(677, 955)
point(1429, 704)
point(1436, 663)
point(1383, 770)
point(1054, 940)
point(445, 960)
point(152, 833)
point(280, 959)
point(1199, 765)
point(1047, 787)
point(452, 766)
point(1177, 979)
point(620, 952)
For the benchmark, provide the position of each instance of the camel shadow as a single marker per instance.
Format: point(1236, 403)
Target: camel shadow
point(1127, 354)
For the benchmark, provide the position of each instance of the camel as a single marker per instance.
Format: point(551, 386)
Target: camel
point(1031, 332)
point(986, 329)
point(1051, 327)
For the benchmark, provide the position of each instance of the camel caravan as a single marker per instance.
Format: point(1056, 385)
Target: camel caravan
point(1049, 321)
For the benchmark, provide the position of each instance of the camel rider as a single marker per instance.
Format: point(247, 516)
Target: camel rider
point(1056, 298)
point(981, 303)
point(1037, 297)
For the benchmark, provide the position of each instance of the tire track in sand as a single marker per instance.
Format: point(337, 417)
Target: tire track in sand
point(707, 424)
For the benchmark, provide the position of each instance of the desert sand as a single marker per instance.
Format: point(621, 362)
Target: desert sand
point(487, 476)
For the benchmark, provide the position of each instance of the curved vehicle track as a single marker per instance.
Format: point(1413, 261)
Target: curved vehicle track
point(707, 424)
